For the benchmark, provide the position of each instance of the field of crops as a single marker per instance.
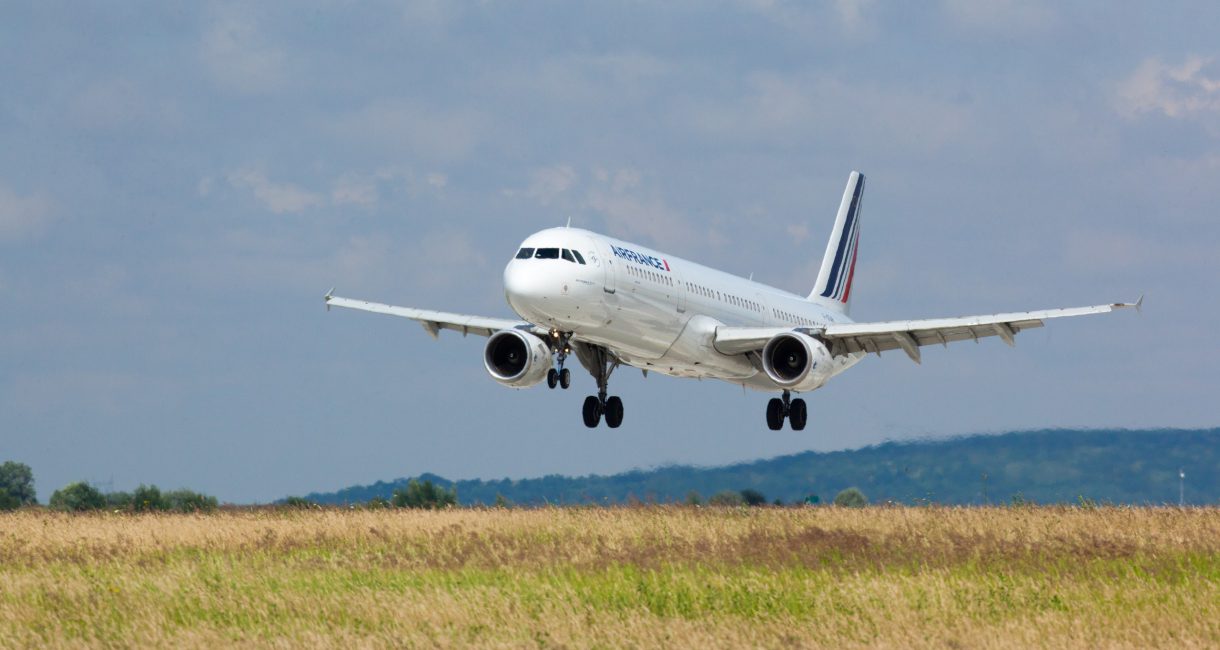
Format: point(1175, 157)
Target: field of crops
point(658, 576)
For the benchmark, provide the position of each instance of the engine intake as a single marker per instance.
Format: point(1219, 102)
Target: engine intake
point(517, 359)
point(796, 361)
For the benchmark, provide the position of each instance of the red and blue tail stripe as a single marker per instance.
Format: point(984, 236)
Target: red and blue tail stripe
point(838, 283)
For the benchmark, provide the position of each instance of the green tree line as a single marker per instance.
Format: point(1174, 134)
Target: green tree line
point(17, 490)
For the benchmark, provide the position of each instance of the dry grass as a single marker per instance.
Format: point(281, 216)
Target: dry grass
point(628, 577)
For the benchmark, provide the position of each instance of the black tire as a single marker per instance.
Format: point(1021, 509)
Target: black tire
point(592, 411)
point(614, 412)
point(775, 414)
point(552, 378)
point(797, 414)
point(565, 378)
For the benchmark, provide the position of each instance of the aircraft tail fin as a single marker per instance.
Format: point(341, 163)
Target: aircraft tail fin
point(833, 288)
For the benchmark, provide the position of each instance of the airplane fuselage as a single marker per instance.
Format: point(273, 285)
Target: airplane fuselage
point(656, 311)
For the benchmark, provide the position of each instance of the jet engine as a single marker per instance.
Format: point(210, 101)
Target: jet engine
point(517, 359)
point(796, 361)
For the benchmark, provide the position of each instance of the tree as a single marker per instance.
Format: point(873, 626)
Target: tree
point(183, 500)
point(693, 498)
point(502, 502)
point(851, 498)
point(726, 498)
point(17, 480)
point(77, 497)
point(753, 497)
point(147, 498)
point(424, 495)
point(119, 500)
point(8, 501)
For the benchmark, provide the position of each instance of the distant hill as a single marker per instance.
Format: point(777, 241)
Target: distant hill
point(1053, 466)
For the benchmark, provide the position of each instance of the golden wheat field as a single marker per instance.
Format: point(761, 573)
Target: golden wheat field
point(656, 576)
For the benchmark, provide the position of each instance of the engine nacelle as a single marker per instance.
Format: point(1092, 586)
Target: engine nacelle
point(797, 361)
point(517, 359)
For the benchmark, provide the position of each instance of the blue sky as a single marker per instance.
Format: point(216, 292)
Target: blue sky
point(181, 183)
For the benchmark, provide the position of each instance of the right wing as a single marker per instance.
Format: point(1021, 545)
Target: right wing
point(435, 321)
point(908, 335)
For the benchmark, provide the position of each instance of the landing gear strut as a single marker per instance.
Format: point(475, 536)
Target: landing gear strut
point(560, 376)
point(792, 409)
point(596, 406)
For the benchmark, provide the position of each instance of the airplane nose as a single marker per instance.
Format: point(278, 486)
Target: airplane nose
point(522, 284)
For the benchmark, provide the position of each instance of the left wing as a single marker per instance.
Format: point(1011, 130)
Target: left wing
point(908, 335)
point(435, 321)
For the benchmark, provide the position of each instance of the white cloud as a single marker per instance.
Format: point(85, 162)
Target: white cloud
point(799, 232)
point(444, 134)
point(362, 189)
point(622, 198)
point(23, 216)
point(630, 210)
point(547, 184)
point(437, 180)
point(352, 189)
point(1004, 17)
point(1110, 251)
point(846, 17)
point(380, 263)
point(853, 14)
point(1182, 91)
point(790, 110)
point(276, 197)
point(234, 53)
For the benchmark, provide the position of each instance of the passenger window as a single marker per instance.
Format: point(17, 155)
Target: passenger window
point(547, 254)
point(579, 259)
point(525, 253)
point(567, 255)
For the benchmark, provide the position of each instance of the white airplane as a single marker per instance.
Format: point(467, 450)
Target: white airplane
point(614, 303)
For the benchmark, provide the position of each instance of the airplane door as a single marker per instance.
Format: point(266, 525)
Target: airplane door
point(609, 283)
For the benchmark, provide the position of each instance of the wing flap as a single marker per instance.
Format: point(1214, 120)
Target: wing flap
point(435, 321)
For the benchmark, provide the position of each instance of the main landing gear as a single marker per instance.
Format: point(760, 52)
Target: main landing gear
point(598, 405)
point(560, 376)
point(793, 409)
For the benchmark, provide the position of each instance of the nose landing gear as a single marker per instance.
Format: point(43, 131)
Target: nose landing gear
point(560, 376)
point(792, 409)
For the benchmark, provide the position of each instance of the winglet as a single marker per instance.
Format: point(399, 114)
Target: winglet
point(328, 296)
point(1138, 304)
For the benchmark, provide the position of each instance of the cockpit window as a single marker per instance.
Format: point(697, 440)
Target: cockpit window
point(579, 259)
point(547, 254)
point(567, 255)
point(525, 253)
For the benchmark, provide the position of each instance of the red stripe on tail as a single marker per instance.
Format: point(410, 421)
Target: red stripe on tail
point(851, 274)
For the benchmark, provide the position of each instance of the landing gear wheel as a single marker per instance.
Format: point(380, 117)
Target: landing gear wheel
point(600, 362)
point(565, 378)
point(552, 378)
point(592, 411)
point(775, 414)
point(797, 414)
point(614, 412)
